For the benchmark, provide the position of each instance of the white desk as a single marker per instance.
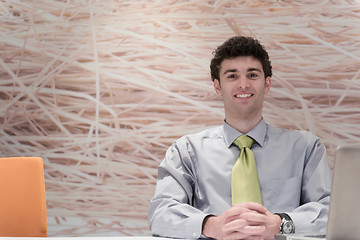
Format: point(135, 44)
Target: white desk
point(88, 238)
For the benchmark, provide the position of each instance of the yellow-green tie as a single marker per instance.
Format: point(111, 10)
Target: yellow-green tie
point(245, 185)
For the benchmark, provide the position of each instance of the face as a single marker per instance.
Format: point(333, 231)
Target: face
point(242, 86)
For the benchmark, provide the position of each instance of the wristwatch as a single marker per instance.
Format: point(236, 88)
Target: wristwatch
point(287, 225)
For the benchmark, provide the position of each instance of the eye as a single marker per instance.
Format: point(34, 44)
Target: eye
point(232, 76)
point(252, 75)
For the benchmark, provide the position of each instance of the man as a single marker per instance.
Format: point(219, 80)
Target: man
point(193, 196)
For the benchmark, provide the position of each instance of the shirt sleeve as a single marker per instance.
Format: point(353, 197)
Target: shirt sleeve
point(171, 213)
point(312, 214)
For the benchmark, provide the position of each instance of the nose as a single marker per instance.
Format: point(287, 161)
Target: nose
point(243, 82)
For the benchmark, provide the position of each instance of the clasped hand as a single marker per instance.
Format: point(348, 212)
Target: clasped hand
point(243, 221)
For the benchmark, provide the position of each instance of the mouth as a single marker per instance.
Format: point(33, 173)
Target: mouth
point(244, 95)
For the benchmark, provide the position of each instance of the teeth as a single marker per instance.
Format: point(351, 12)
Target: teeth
point(243, 95)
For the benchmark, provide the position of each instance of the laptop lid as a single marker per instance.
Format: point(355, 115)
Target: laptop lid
point(344, 212)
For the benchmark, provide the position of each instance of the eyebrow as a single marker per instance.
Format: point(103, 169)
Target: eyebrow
point(232, 70)
point(254, 69)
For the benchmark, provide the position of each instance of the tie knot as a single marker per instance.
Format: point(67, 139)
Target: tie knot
point(244, 141)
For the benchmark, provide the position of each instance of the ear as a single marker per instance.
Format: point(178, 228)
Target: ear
point(267, 84)
point(217, 87)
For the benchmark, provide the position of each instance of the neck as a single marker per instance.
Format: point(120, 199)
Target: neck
point(243, 123)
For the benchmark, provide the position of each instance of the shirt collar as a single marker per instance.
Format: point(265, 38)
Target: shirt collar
point(258, 133)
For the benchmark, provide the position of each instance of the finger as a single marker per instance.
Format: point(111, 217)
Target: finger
point(234, 213)
point(237, 235)
point(237, 210)
point(248, 232)
point(253, 206)
point(234, 225)
point(254, 238)
point(254, 217)
point(253, 230)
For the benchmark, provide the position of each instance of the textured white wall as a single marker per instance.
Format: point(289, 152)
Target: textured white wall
point(101, 88)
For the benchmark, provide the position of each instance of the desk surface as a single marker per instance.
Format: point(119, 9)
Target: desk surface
point(89, 238)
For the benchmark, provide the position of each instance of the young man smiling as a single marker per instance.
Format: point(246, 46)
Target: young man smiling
point(242, 87)
point(193, 196)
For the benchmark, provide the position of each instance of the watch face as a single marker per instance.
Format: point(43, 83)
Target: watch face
point(288, 227)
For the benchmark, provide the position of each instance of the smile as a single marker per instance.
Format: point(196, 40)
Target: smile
point(243, 95)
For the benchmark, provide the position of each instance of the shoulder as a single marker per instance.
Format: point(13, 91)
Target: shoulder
point(186, 146)
point(190, 142)
point(209, 133)
point(292, 136)
point(299, 141)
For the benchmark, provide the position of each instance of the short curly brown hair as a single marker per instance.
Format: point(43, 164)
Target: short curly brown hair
point(240, 46)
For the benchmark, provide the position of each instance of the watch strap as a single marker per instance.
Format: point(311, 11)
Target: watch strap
point(285, 218)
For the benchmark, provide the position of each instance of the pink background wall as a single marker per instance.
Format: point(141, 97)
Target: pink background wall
point(100, 89)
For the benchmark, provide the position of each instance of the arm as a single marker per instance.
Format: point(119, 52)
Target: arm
point(171, 213)
point(312, 214)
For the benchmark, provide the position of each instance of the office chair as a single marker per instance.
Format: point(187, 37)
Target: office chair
point(22, 197)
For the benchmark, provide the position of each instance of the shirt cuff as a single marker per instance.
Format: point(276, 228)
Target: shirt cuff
point(193, 227)
point(303, 222)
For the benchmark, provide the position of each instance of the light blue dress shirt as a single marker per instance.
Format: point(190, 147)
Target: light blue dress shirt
point(194, 179)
